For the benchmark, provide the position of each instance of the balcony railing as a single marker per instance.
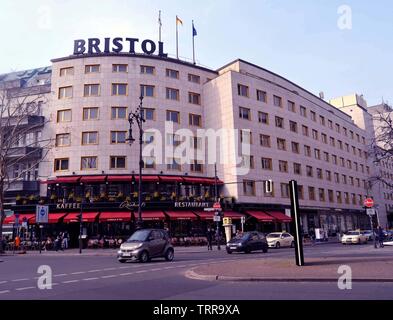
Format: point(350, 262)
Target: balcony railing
point(25, 152)
point(27, 186)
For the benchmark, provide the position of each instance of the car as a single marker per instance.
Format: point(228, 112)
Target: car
point(369, 234)
point(146, 244)
point(280, 239)
point(354, 237)
point(247, 242)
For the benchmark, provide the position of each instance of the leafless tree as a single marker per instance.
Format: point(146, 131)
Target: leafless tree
point(19, 118)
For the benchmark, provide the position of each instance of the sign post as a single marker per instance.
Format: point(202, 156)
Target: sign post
point(296, 217)
point(369, 204)
point(243, 221)
point(41, 216)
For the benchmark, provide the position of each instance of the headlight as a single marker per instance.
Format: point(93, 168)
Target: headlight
point(119, 252)
point(239, 244)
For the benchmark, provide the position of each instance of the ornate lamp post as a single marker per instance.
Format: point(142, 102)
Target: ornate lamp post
point(137, 116)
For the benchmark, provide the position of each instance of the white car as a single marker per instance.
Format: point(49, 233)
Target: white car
point(280, 239)
point(354, 237)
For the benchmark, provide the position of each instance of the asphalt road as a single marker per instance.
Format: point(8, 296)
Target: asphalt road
point(102, 277)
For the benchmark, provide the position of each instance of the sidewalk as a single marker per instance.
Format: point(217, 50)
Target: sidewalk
point(375, 267)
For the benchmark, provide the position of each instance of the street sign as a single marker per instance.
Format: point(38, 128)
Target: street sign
point(371, 212)
point(288, 212)
point(217, 205)
point(217, 218)
point(243, 219)
point(369, 203)
point(41, 214)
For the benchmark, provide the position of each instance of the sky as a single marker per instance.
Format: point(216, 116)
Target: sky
point(335, 46)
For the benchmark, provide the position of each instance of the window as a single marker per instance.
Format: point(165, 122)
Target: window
point(268, 194)
point(295, 147)
point(63, 140)
point(172, 94)
point(349, 164)
point(194, 98)
point(342, 161)
point(265, 141)
point(313, 116)
point(88, 163)
point(148, 113)
point(93, 68)
point(277, 101)
point(317, 154)
point(351, 181)
point(90, 114)
point(196, 143)
point(319, 173)
point(297, 168)
point(305, 131)
point(65, 92)
point(61, 164)
point(119, 68)
point(293, 126)
point(311, 193)
point(332, 142)
point(307, 151)
point(196, 166)
point(328, 175)
point(119, 89)
point(89, 138)
point(353, 196)
point(331, 196)
point(174, 74)
point(337, 128)
point(300, 192)
point(119, 113)
point(283, 166)
point(321, 193)
point(340, 144)
point(339, 197)
point(118, 137)
point(284, 190)
point(242, 90)
point(148, 70)
point(194, 78)
point(344, 178)
point(330, 124)
point(315, 134)
point(346, 197)
point(261, 96)
point(351, 133)
point(91, 90)
point(247, 161)
point(281, 144)
point(244, 113)
point(358, 137)
point(324, 138)
point(173, 139)
point(69, 71)
point(249, 188)
point(64, 115)
point(336, 177)
point(263, 117)
point(267, 164)
point(309, 171)
point(195, 120)
point(118, 162)
point(246, 136)
point(291, 106)
point(347, 147)
point(148, 137)
point(322, 120)
point(147, 91)
point(345, 131)
point(279, 122)
point(326, 156)
point(173, 116)
point(149, 162)
point(303, 111)
point(334, 159)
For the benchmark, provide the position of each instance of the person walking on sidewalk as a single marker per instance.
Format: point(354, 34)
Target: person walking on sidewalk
point(209, 237)
point(380, 236)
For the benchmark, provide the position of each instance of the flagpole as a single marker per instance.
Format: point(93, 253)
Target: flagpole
point(160, 24)
point(177, 39)
point(193, 43)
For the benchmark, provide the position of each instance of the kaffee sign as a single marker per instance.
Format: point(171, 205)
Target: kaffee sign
point(118, 45)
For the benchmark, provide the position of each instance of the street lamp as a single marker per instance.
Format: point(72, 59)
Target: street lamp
point(137, 116)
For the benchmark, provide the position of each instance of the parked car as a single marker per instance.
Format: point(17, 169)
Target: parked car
point(369, 234)
point(247, 242)
point(280, 239)
point(354, 237)
point(145, 245)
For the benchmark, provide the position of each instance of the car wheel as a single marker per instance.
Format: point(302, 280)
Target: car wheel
point(247, 250)
point(122, 261)
point(169, 255)
point(144, 257)
point(293, 244)
point(229, 251)
point(278, 245)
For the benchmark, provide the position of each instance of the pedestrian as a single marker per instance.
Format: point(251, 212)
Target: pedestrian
point(312, 236)
point(65, 240)
point(380, 236)
point(209, 236)
point(58, 243)
point(17, 242)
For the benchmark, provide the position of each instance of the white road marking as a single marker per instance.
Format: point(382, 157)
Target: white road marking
point(2, 282)
point(18, 280)
point(123, 267)
point(156, 269)
point(92, 271)
point(5, 291)
point(109, 269)
point(80, 272)
point(60, 275)
point(26, 288)
point(110, 276)
point(90, 279)
point(141, 271)
point(126, 274)
point(70, 281)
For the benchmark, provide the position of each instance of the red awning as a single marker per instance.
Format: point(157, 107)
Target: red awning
point(93, 179)
point(279, 216)
point(55, 217)
point(86, 216)
point(115, 216)
point(233, 215)
point(181, 215)
point(119, 178)
point(30, 218)
point(147, 178)
point(195, 180)
point(151, 215)
point(213, 181)
point(171, 179)
point(261, 216)
point(205, 215)
point(64, 180)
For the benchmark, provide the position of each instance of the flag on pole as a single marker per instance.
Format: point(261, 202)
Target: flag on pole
point(178, 21)
point(160, 25)
point(194, 32)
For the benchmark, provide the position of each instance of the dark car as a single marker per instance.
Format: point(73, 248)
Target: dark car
point(248, 242)
point(146, 244)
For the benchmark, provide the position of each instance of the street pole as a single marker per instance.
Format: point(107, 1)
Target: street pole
point(81, 227)
point(295, 212)
point(216, 200)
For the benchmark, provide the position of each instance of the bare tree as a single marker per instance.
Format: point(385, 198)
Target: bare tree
point(20, 118)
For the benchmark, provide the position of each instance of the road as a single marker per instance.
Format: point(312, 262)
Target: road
point(102, 278)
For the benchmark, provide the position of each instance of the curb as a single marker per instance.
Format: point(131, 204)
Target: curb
point(191, 274)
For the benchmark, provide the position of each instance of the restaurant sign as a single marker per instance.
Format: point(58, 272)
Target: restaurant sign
point(192, 204)
point(68, 206)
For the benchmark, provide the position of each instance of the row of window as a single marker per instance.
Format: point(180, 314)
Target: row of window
point(120, 163)
point(244, 91)
point(92, 113)
point(314, 194)
point(123, 68)
point(121, 89)
point(283, 167)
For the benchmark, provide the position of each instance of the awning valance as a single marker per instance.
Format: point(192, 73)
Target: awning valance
point(181, 215)
point(260, 216)
point(93, 179)
point(115, 216)
point(86, 217)
point(279, 216)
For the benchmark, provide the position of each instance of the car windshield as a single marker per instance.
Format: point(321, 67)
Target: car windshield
point(353, 233)
point(242, 236)
point(140, 235)
point(274, 235)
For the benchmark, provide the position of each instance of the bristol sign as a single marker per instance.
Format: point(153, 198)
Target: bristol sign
point(118, 45)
